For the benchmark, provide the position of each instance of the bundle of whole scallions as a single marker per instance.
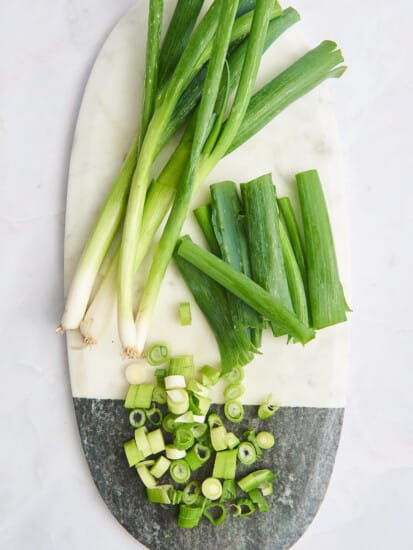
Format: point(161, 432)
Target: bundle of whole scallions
point(189, 79)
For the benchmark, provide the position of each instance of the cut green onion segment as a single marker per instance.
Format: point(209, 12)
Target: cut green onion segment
point(160, 467)
point(267, 409)
point(234, 411)
point(159, 494)
point(225, 464)
point(211, 488)
point(233, 391)
point(255, 479)
point(180, 471)
point(185, 313)
point(184, 438)
point(157, 354)
point(191, 492)
point(246, 453)
point(265, 440)
point(244, 507)
point(137, 418)
point(216, 513)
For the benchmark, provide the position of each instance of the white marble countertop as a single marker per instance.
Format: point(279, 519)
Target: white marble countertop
point(47, 498)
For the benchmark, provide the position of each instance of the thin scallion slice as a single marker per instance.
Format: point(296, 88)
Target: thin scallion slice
point(214, 420)
point(216, 513)
point(257, 498)
point(210, 375)
point(266, 488)
point(142, 441)
point(225, 464)
point(133, 454)
point(156, 441)
point(267, 409)
point(244, 507)
point(182, 365)
point(184, 438)
point(246, 452)
point(218, 438)
point(189, 516)
point(233, 391)
point(328, 305)
point(173, 381)
point(229, 490)
point(169, 423)
point(180, 471)
point(173, 453)
point(235, 375)
point(255, 479)
point(178, 401)
point(158, 354)
point(159, 494)
point(185, 313)
point(197, 456)
point(252, 438)
point(154, 416)
point(160, 467)
point(234, 411)
point(265, 440)
point(137, 418)
point(199, 430)
point(191, 492)
point(146, 477)
point(159, 395)
point(211, 488)
point(232, 440)
point(175, 495)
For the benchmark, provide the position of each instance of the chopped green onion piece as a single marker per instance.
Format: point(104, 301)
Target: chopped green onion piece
point(219, 438)
point(255, 479)
point(158, 354)
point(160, 380)
point(137, 418)
point(156, 441)
point(199, 405)
point(180, 471)
point(211, 488)
point(185, 313)
point(197, 456)
point(235, 375)
point(267, 409)
point(198, 388)
point(265, 440)
point(178, 401)
point(232, 440)
point(234, 411)
point(327, 302)
point(210, 376)
point(159, 395)
point(160, 467)
point(169, 423)
point(175, 495)
point(247, 453)
point(251, 437)
point(147, 478)
point(199, 430)
point(184, 438)
point(173, 381)
point(191, 492)
point(154, 416)
point(183, 365)
point(143, 396)
point(229, 490)
point(266, 488)
point(225, 464)
point(173, 453)
point(142, 441)
point(243, 507)
point(214, 420)
point(211, 512)
point(130, 397)
point(186, 418)
point(133, 454)
point(233, 391)
point(189, 516)
point(159, 494)
point(257, 498)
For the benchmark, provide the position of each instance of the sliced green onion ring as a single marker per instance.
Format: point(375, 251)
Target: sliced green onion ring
point(154, 416)
point(159, 395)
point(160, 467)
point(180, 471)
point(229, 490)
point(159, 494)
point(169, 423)
point(234, 411)
point(233, 391)
point(219, 438)
point(216, 513)
point(235, 375)
point(210, 376)
point(244, 507)
point(158, 354)
point(137, 418)
point(214, 420)
point(267, 409)
point(197, 456)
point(247, 453)
point(265, 440)
point(191, 492)
point(211, 488)
point(185, 313)
point(184, 438)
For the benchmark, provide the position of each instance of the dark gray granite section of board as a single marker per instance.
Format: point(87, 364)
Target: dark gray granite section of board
point(303, 458)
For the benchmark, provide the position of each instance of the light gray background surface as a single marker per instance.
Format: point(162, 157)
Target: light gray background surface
point(47, 498)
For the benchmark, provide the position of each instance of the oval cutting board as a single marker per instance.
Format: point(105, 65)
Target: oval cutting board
point(309, 382)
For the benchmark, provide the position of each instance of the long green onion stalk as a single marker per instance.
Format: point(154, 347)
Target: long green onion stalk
point(164, 249)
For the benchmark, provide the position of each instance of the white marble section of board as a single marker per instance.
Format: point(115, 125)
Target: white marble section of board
point(301, 138)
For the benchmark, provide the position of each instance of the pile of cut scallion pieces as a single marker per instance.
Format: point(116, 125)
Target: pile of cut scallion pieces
point(184, 454)
point(199, 79)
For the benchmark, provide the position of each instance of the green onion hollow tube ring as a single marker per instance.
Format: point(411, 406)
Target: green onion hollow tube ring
point(210, 513)
point(189, 516)
point(211, 488)
point(233, 391)
point(180, 471)
point(191, 492)
point(184, 438)
point(169, 423)
point(159, 395)
point(244, 507)
point(197, 456)
point(229, 490)
point(154, 416)
point(267, 409)
point(137, 418)
point(234, 411)
point(265, 440)
point(158, 354)
point(185, 313)
point(247, 453)
point(160, 467)
point(175, 496)
point(214, 420)
point(235, 375)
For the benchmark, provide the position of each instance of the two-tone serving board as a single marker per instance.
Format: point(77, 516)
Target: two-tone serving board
point(309, 381)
